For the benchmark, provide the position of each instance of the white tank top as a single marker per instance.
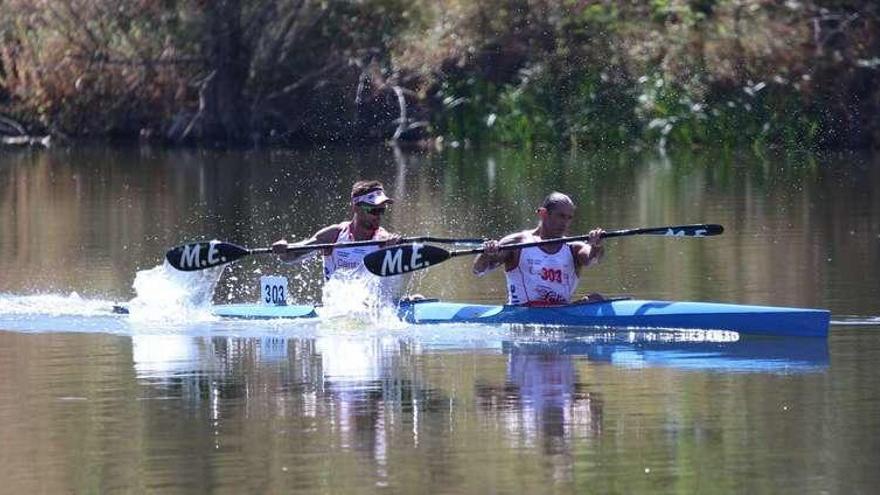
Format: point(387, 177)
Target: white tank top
point(542, 278)
point(349, 261)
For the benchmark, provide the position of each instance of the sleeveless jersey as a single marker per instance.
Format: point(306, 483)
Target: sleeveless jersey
point(542, 278)
point(349, 261)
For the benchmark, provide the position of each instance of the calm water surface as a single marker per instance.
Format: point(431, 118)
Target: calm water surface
point(92, 402)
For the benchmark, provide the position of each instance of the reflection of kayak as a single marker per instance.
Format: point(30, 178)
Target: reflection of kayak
point(787, 355)
point(626, 313)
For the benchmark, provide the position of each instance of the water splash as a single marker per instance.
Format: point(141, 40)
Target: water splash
point(362, 301)
point(168, 295)
point(53, 305)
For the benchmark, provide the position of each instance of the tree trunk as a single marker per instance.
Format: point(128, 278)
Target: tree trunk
point(225, 117)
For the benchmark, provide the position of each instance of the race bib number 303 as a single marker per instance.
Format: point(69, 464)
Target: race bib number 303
point(273, 290)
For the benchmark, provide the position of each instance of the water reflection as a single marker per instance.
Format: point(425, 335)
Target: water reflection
point(372, 408)
point(378, 396)
point(714, 351)
point(543, 404)
point(547, 401)
point(356, 391)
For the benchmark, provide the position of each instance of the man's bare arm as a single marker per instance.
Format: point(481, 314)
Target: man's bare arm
point(493, 256)
point(592, 251)
point(327, 235)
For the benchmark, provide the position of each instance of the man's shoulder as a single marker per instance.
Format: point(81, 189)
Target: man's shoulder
point(517, 237)
point(382, 233)
point(336, 226)
point(330, 231)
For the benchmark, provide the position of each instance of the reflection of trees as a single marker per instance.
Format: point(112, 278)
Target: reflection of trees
point(543, 403)
point(96, 215)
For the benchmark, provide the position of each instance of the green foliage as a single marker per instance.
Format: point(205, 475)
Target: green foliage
point(758, 115)
point(698, 73)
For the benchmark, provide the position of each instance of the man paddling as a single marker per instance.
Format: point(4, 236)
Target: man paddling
point(368, 205)
point(547, 274)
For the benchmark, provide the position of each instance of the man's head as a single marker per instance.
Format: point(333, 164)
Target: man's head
point(368, 203)
point(556, 213)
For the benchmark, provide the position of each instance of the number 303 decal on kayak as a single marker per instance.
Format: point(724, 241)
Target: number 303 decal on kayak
point(273, 290)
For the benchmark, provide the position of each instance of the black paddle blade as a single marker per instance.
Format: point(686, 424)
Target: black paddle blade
point(396, 260)
point(201, 255)
point(698, 230)
point(694, 230)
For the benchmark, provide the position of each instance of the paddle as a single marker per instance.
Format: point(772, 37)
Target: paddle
point(396, 260)
point(201, 255)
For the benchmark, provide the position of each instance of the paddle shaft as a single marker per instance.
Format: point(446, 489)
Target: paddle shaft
point(404, 258)
point(340, 245)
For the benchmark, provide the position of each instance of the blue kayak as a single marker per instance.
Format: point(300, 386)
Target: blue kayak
point(625, 313)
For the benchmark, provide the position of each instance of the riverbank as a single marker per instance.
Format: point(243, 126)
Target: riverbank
point(699, 74)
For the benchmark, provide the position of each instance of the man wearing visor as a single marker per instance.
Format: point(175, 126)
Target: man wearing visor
point(368, 204)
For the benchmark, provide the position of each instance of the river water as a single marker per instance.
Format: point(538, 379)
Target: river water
point(174, 401)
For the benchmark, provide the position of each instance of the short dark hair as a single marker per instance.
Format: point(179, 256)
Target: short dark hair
point(555, 199)
point(364, 186)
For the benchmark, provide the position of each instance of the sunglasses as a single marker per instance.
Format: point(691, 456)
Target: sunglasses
point(372, 210)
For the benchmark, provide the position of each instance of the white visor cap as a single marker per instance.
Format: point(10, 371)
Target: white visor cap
point(375, 197)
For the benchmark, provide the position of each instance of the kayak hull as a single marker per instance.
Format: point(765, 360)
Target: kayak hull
point(264, 311)
point(629, 313)
point(632, 313)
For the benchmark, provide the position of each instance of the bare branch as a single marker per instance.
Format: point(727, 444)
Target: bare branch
point(306, 79)
point(271, 57)
point(297, 28)
point(13, 125)
point(140, 62)
point(203, 89)
point(401, 102)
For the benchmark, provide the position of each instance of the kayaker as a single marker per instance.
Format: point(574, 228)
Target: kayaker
point(368, 205)
point(548, 274)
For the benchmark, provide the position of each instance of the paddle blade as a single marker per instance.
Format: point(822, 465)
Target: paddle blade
point(201, 255)
point(396, 260)
point(703, 230)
